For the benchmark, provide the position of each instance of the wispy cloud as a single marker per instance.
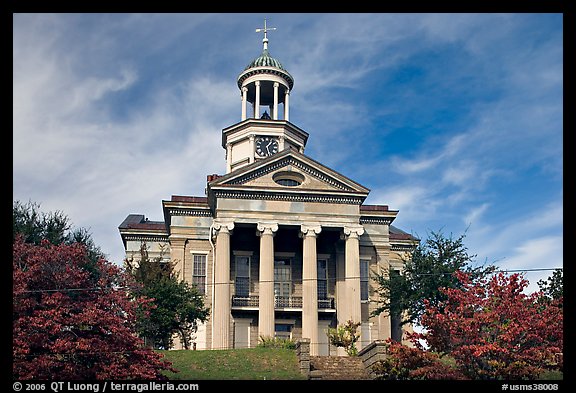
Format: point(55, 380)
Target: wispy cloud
point(475, 213)
point(445, 117)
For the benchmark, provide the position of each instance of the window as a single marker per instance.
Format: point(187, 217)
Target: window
point(165, 264)
point(287, 182)
point(288, 178)
point(282, 278)
point(395, 318)
point(242, 282)
point(322, 279)
point(199, 272)
point(283, 330)
point(364, 263)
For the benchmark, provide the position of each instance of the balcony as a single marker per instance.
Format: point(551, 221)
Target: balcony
point(280, 302)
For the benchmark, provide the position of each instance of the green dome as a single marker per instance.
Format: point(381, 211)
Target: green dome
point(265, 64)
point(265, 60)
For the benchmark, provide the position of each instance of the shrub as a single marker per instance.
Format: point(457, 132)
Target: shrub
point(404, 363)
point(276, 342)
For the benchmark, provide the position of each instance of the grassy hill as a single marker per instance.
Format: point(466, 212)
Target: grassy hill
point(246, 364)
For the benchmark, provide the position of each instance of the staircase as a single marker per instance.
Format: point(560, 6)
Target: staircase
point(337, 367)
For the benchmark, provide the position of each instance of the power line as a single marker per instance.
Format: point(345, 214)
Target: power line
point(234, 345)
point(296, 281)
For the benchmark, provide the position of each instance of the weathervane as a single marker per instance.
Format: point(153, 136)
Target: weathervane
point(265, 30)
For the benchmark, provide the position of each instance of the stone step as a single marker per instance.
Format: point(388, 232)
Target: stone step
point(337, 367)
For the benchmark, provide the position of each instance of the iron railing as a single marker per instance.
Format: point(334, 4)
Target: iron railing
point(280, 302)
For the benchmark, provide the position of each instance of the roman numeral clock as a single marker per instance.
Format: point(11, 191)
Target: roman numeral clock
point(266, 146)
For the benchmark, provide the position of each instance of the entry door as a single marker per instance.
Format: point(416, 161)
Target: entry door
point(241, 333)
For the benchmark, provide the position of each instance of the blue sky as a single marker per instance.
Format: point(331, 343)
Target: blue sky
point(455, 120)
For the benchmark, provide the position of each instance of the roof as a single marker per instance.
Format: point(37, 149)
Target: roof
point(138, 221)
point(373, 208)
point(398, 234)
point(192, 199)
point(266, 64)
point(265, 60)
point(138, 227)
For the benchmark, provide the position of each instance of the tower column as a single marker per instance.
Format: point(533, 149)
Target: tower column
point(252, 148)
point(287, 105)
point(257, 101)
point(275, 114)
point(244, 101)
point(221, 303)
point(266, 284)
point(309, 232)
point(228, 157)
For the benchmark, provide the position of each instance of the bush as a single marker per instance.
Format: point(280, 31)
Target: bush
point(276, 342)
point(405, 363)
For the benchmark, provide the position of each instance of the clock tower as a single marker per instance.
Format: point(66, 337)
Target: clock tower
point(263, 130)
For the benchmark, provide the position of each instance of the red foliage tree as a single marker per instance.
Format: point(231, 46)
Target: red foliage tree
point(72, 317)
point(494, 330)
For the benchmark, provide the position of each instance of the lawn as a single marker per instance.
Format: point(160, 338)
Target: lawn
point(246, 364)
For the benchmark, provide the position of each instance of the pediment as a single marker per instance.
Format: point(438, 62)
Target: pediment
point(312, 176)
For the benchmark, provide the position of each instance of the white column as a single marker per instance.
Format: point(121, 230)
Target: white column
point(244, 101)
point(221, 302)
point(287, 105)
point(266, 284)
point(309, 233)
point(352, 271)
point(275, 114)
point(257, 101)
point(228, 157)
point(281, 143)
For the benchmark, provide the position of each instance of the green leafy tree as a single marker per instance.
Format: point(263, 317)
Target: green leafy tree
point(553, 286)
point(429, 267)
point(55, 227)
point(177, 307)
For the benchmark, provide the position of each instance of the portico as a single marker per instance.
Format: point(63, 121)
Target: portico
point(298, 261)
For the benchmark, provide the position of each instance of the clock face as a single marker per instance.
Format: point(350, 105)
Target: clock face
point(266, 146)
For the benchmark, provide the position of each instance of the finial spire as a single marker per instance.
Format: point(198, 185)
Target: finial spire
point(265, 30)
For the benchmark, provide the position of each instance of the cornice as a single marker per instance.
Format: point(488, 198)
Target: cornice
point(401, 247)
point(376, 220)
point(195, 212)
point(237, 131)
point(292, 197)
point(266, 70)
point(141, 238)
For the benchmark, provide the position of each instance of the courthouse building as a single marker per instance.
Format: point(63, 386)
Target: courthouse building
point(280, 245)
